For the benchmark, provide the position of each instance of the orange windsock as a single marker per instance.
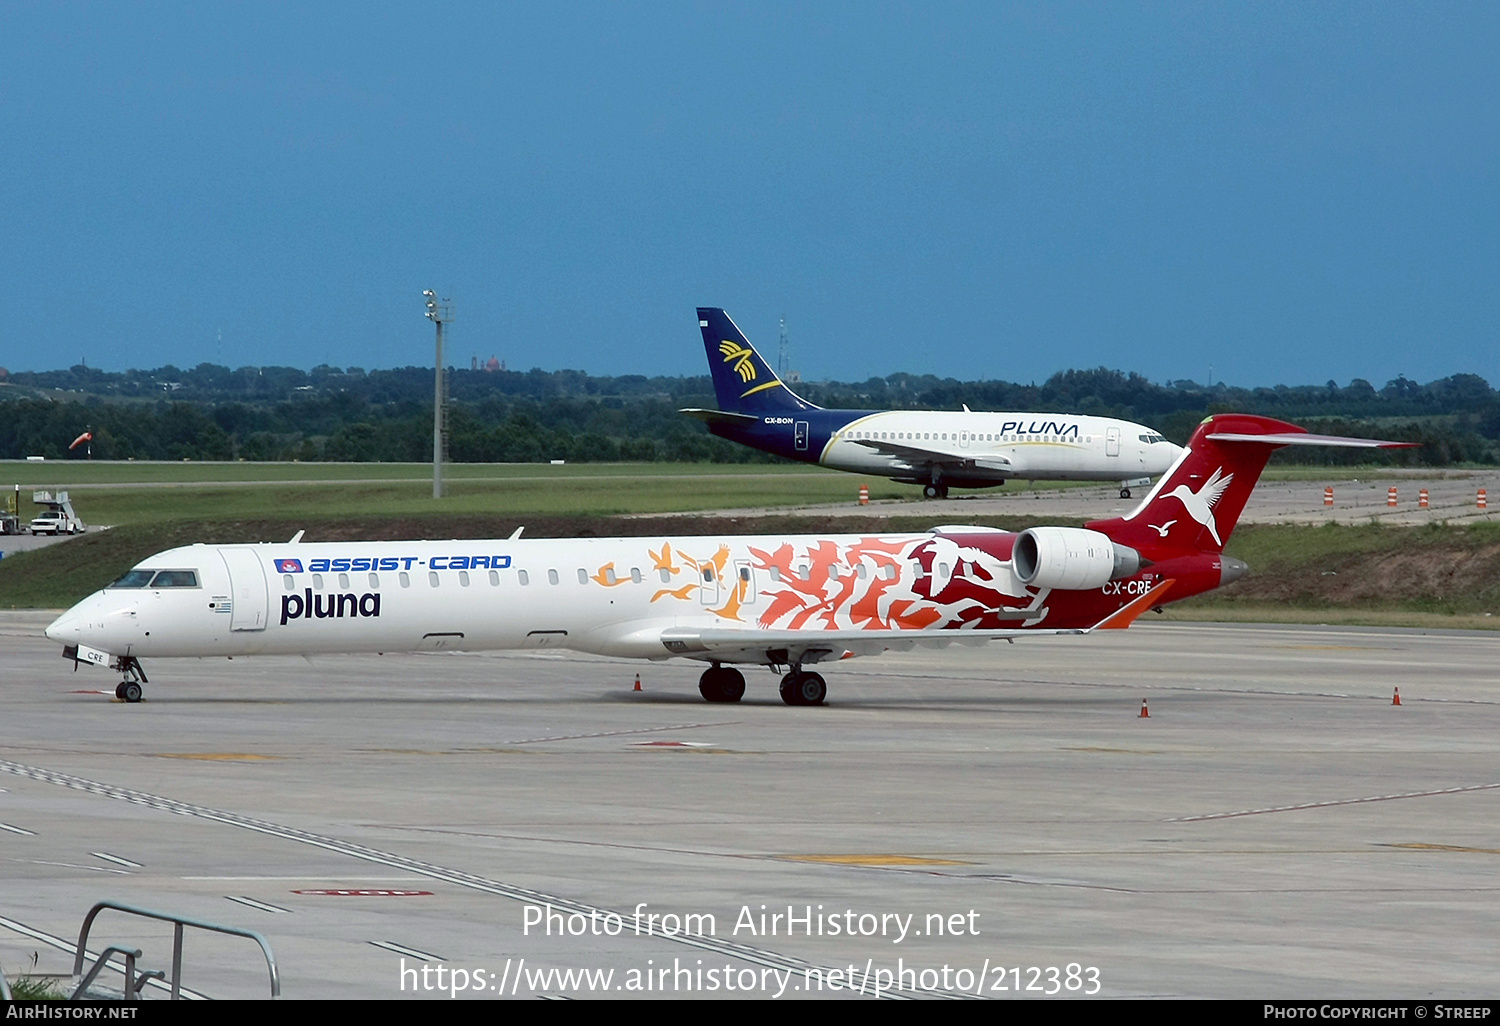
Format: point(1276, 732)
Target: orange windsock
point(87, 436)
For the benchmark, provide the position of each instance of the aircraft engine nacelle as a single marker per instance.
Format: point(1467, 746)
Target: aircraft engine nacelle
point(1071, 558)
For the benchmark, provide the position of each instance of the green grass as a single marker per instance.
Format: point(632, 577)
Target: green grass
point(363, 490)
point(1367, 573)
point(31, 988)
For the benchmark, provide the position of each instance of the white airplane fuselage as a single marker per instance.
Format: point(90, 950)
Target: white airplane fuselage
point(1054, 447)
point(608, 596)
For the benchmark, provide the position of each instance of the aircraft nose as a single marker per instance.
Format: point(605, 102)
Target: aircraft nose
point(66, 627)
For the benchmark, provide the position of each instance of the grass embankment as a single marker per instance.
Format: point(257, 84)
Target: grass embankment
point(1430, 576)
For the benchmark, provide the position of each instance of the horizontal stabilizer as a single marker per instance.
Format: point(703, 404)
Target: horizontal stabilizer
point(1302, 438)
point(720, 416)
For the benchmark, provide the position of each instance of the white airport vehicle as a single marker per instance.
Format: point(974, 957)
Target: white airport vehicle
point(936, 449)
point(59, 517)
point(782, 602)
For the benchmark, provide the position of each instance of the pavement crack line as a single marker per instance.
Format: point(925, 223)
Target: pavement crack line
point(728, 949)
point(1333, 802)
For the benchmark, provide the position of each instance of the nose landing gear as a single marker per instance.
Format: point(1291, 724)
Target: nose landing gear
point(129, 689)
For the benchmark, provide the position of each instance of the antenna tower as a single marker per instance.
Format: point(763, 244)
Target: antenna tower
point(785, 355)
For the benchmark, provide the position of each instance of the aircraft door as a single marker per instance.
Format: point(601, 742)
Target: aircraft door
point(1112, 441)
point(708, 584)
point(799, 435)
point(744, 583)
point(249, 596)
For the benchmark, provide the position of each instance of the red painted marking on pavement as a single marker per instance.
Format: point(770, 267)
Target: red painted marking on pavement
point(365, 893)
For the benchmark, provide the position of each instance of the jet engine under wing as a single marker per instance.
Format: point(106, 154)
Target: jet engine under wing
point(915, 456)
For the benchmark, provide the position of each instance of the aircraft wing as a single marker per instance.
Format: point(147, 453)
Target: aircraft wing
point(915, 456)
point(784, 647)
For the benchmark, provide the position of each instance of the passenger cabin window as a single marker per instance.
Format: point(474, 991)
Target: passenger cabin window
point(609, 576)
point(405, 579)
point(463, 578)
point(776, 573)
point(494, 578)
point(288, 582)
point(432, 578)
point(318, 581)
point(583, 576)
point(666, 576)
point(375, 580)
point(551, 576)
point(635, 574)
point(344, 581)
point(523, 577)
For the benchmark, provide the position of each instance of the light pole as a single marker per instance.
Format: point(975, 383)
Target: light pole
point(438, 315)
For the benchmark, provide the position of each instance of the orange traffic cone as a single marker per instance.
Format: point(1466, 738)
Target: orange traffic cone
point(1145, 714)
point(1396, 700)
point(638, 682)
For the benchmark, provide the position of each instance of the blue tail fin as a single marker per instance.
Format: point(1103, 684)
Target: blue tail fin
point(743, 381)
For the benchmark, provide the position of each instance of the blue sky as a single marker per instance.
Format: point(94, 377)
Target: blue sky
point(1286, 193)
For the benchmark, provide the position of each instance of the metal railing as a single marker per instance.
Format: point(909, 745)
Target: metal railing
point(132, 984)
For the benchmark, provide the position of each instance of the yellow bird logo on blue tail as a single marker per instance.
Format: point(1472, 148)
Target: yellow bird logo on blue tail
point(733, 351)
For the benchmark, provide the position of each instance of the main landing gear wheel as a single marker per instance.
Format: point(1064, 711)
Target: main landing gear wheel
point(803, 689)
point(719, 684)
point(1124, 493)
point(936, 491)
point(129, 690)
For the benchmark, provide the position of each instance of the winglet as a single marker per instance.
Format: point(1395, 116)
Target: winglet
point(1126, 614)
point(296, 538)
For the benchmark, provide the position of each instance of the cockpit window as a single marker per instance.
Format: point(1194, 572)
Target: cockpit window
point(1152, 439)
point(134, 579)
point(175, 579)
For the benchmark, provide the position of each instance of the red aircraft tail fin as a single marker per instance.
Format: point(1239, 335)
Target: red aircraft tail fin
point(1197, 503)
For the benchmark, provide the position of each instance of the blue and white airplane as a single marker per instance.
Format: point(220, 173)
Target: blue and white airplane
point(937, 449)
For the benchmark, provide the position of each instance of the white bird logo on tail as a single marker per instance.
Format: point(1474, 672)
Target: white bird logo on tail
point(1200, 504)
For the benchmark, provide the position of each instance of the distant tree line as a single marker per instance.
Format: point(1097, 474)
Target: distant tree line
point(283, 413)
